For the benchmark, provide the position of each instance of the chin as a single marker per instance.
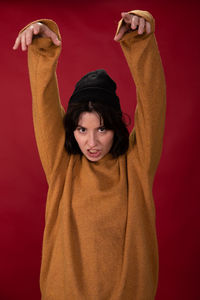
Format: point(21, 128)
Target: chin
point(93, 158)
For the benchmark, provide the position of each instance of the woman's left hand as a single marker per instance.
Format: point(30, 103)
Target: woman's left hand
point(132, 22)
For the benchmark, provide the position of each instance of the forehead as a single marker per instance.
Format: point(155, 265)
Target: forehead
point(90, 119)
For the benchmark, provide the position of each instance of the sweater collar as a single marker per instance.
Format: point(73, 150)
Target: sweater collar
point(107, 157)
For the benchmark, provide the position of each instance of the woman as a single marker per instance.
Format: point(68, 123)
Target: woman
point(100, 236)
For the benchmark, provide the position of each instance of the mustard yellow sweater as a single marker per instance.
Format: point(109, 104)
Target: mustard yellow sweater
point(100, 237)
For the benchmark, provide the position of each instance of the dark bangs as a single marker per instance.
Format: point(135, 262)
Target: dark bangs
point(110, 118)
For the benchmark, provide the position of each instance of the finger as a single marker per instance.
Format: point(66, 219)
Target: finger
point(120, 34)
point(134, 22)
point(23, 42)
point(56, 41)
point(29, 36)
point(36, 28)
point(126, 17)
point(141, 26)
point(148, 27)
point(17, 42)
point(44, 31)
point(53, 37)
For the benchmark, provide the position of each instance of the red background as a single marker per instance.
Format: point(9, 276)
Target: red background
point(87, 29)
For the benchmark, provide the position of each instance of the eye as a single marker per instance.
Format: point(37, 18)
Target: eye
point(81, 129)
point(102, 129)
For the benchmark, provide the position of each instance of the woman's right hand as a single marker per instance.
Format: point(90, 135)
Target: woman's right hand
point(25, 37)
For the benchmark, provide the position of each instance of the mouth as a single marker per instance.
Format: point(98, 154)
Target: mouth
point(94, 152)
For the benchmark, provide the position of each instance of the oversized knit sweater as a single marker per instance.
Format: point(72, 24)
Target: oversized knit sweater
point(100, 236)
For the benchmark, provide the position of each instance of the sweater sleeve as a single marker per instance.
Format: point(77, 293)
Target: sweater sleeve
point(48, 112)
point(143, 58)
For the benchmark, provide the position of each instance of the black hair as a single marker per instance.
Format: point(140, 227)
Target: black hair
point(111, 119)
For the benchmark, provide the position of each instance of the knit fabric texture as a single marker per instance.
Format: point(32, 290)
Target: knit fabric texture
point(96, 86)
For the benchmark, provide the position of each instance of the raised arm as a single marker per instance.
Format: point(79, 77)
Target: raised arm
point(43, 41)
point(143, 58)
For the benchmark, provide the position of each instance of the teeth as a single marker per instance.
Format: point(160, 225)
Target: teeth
point(93, 151)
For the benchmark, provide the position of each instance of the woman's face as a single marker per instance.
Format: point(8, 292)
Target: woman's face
point(93, 139)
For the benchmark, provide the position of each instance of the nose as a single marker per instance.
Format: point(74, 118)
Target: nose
point(92, 140)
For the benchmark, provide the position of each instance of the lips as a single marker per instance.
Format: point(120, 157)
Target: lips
point(94, 152)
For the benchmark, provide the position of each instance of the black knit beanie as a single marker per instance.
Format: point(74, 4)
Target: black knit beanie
point(96, 86)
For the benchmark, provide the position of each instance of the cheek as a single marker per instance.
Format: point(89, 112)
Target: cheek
point(109, 140)
point(78, 138)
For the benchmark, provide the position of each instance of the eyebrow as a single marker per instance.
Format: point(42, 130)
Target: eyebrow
point(86, 128)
